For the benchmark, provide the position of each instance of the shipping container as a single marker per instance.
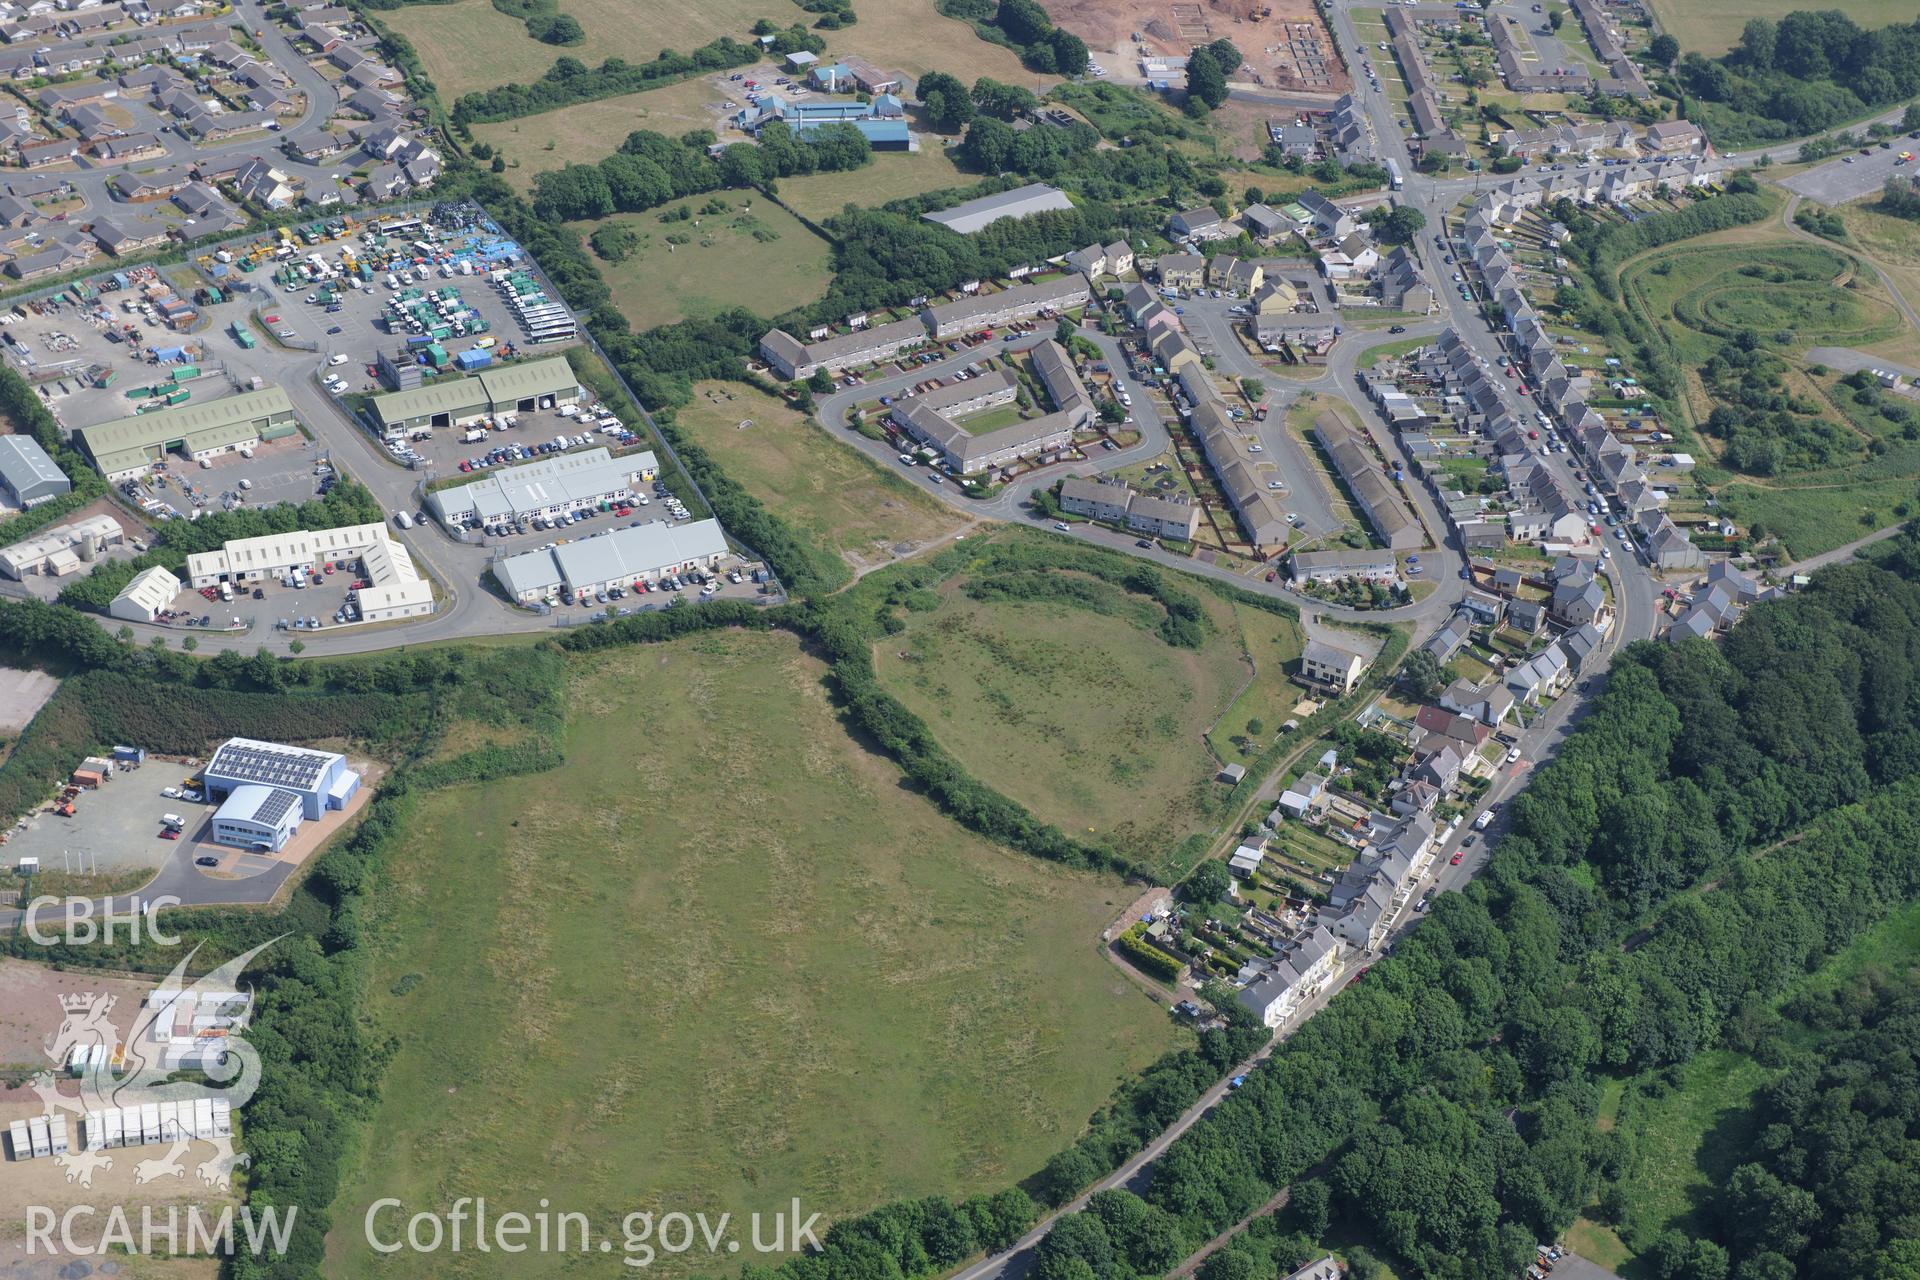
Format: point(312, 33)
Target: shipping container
point(150, 1122)
point(42, 1139)
point(203, 1118)
point(170, 1122)
point(222, 1118)
point(116, 1133)
point(139, 393)
point(186, 373)
point(95, 1136)
point(57, 1135)
point(17, 1137)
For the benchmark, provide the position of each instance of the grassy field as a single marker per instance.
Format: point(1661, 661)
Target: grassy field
point(1748, 278)
point(827, 488)
point(471, 45)
point(594, 130)
point(1711, 27)
point(1087, 717)
point(892, 175)
point(753, 254)
point(1688, 1141)
point(612, 989)
point(1267, 697)
point(911, 37)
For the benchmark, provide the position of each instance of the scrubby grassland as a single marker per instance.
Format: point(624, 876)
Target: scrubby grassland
point(722, 958)
point(830, 491)
point(471, 45)
point(1815, 462)
point(1700, 293)
point(752, 253)
point(892, 175)
point(591, 131)
point(1068, 700)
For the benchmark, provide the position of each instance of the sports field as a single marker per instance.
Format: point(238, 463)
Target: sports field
point(830, 490)
point(1079, 710)
point(593, 131)
point(891, 175)
point(719, 960)
point(1712, 26)
point(751, 254)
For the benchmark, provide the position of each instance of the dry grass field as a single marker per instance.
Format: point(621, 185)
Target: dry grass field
point(471, 45)
point(719, 959)
point(594, 130)
point(893, 175)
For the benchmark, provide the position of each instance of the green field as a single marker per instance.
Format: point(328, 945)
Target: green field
point(752, 254)
point(826, 487)
point(1086, 716)
point(1711, 27)
point(718, 960)
point(892, 175)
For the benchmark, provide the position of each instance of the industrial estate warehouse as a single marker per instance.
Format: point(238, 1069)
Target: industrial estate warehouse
point(1021, 202)
point(392, 586)
point(548, 487)
point(268, 789)
point(129, 446)
point(456, 402)
point(27, 474)
point(619, 558)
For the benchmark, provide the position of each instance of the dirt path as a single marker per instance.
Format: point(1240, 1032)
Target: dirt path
point(1193, 1262)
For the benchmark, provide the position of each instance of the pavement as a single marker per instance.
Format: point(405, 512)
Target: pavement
point(1853, 175)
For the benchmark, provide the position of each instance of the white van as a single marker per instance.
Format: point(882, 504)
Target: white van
point(402, 519)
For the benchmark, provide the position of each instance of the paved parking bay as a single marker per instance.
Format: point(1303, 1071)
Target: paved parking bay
point(279, 471)
point(444, 450)
point(115, 827)
point(1853, 175)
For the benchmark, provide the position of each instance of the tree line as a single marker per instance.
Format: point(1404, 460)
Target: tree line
point(1024, 27)
point(650, 169)
point(1805, 73)
point(570, 81)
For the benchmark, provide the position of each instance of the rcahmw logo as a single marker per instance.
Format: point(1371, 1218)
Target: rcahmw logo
point(84, 1230)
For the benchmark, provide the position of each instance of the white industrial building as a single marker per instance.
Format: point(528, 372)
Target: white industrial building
point(63, 549)
point(143, 599)
point(549, 487)
point(267, 790)
point(396, 588)
point(619, 558)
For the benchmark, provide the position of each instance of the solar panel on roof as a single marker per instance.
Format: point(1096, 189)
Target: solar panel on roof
point(275, 807)
point(271, 766)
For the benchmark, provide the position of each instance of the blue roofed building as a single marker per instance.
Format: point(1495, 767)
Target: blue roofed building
point(882, 121)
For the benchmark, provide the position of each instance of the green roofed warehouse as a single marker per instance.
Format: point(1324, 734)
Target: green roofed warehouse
point(128, 446)
point(458, 402)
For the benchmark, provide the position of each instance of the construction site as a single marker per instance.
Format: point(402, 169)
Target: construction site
point(1287, 45)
